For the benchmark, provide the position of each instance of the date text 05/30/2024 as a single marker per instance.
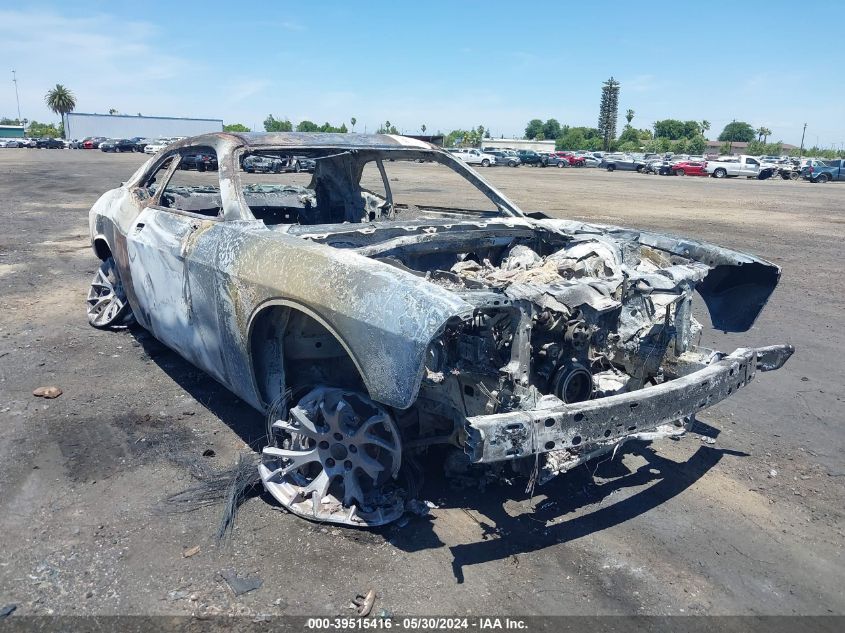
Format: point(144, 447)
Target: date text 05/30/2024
point(418, 623)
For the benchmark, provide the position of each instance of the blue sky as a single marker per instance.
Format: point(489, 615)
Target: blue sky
point(443, 64)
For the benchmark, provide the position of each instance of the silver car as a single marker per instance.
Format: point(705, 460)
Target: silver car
point(394, 300)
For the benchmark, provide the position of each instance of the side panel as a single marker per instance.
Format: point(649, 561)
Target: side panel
point(171, 256)
point(385, 317)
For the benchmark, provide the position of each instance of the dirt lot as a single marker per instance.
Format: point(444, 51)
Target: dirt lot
point(750, 524)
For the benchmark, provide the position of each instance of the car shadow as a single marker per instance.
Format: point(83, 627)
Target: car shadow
point(541, 526)
point(502, 534)
point(239, 416)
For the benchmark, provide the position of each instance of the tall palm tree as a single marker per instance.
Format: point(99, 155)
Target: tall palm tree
point(760, 132)
point(60, 100)
point(705, 125)
point(353, 121)
point(629, 115)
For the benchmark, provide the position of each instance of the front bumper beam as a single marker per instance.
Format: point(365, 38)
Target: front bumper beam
point(605, 421)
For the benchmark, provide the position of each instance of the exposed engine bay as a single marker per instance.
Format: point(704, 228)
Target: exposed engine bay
point(557, 320)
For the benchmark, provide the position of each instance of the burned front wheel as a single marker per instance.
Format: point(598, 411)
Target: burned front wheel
point(107, 304)
point(335, 458)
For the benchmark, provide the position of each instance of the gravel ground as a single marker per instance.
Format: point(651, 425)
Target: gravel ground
point(744, 516)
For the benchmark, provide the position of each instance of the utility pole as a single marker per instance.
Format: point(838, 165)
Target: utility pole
point(801, 151)
point(17, 98)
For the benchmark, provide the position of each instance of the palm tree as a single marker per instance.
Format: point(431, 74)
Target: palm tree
point(705, 125)
point(112, 111)
point(353, 121)
point(760, 132)
point(629, 115)
point(60, 100)
point(423, 128)
point(766, 133)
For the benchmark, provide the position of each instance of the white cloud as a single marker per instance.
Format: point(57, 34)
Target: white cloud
point(290, 25)
point(105, 62)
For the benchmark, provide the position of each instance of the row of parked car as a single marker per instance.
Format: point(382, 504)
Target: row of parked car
point(742, 166)
point(760, 167)
point(489, 157)
point(41, 143)
point(135, 144)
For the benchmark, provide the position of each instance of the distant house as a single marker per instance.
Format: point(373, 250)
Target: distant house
point(11, 131)
point(739, 147)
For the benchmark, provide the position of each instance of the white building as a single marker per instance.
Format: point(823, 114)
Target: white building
point(518, 143)
point(81, 125)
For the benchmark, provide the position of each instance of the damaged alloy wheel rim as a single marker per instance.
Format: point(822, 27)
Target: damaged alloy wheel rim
point(336, 456)
point(106, 298)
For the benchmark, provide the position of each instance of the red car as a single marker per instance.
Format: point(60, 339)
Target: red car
point(572, 159)
point(92, 142)
point(687, 168)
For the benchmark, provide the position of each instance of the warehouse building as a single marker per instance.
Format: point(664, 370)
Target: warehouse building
point(11, 131)
point(82, 125)
point(518, 143)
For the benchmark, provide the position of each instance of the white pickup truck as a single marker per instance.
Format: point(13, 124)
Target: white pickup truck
point(733, 166)
point(473, 156)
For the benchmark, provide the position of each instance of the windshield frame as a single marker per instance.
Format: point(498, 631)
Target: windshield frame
point(505, 207)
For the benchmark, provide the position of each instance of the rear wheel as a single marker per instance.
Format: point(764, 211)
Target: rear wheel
point(611, 168)
point(680, 172)
point(794, 175)
point(562, 164)
point(823, 178)
point(107, 304)
point(485, 163)
point(335, 458)
point(720, 173)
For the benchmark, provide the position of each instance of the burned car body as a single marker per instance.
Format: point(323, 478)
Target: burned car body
point(369, 328)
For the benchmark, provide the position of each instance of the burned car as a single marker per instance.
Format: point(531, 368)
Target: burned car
point(372, 317)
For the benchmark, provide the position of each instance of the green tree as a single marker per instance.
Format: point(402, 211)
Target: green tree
point(8, 121)
point(307, 126)
point(533, 129)
point(236, 127)
point(697, 144)
point(680, 146)
point(466, 138)
point(60, 100)
point(272, 124)
point(43, 130)
point(669, 128)
point(705, 125)
point(353, 121)
point(629, 115)
point(737, 131)
point(630, 136)
point(551, 129)
point(387, 128)
point(608, 112)
point(691, 129)
point(658, 145)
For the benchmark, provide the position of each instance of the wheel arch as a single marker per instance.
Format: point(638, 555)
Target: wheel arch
point(270, 359)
